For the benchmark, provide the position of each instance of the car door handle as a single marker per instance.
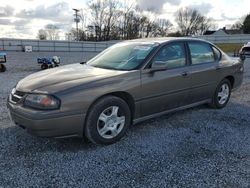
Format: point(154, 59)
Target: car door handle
point(184, 73)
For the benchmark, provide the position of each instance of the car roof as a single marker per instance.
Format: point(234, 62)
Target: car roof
point(247, 45)
point(165, 39)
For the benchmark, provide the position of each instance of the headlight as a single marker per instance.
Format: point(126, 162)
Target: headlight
point(42, 101)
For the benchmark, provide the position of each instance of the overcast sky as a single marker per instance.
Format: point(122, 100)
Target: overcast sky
point(23, 18)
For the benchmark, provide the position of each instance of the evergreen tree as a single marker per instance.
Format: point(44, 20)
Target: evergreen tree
point(246, 25)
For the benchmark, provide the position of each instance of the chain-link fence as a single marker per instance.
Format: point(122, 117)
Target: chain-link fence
point(53, 46)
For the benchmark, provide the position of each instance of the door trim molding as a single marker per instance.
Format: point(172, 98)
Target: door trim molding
point(135, 121)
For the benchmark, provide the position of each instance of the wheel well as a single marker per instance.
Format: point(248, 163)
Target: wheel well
point(231, 79)
point(123, 95)
point(127, 98)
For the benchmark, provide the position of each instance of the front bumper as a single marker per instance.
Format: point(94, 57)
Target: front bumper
point(52, 125)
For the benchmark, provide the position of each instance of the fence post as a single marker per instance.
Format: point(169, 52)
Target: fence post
point(3, 45)
point(38, 46)
point(22, 47)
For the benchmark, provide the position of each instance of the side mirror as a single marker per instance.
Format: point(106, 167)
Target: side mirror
point(83, 62)
point(158, 66)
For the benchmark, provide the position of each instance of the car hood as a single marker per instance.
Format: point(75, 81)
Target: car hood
point(72, 74)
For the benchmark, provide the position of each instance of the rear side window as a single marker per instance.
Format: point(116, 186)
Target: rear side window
point(201, 53)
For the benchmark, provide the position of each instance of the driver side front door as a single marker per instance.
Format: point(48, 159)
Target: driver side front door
point(168, 89)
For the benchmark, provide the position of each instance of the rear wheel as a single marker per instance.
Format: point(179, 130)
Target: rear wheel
point(107, 120)
point(2, 68)
point(222, 94)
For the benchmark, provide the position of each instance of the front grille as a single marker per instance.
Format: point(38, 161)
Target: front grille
point(16, 96)
point(19, 93)
point(15, 99)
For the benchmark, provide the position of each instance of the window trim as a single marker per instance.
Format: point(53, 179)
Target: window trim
point(219, 58)
point(149, 63)
point(190, 56)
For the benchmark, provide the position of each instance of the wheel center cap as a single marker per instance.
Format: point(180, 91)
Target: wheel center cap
point(111, 122)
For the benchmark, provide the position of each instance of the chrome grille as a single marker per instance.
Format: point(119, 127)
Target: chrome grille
point(16, 96)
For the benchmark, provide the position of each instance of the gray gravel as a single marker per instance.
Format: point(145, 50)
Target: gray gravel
point(198, 147)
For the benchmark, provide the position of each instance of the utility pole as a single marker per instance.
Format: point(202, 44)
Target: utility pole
point(77, 20)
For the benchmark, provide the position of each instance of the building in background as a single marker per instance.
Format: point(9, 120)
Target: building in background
point(224, 31)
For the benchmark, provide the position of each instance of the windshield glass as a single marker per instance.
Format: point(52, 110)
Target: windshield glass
point(123, 56)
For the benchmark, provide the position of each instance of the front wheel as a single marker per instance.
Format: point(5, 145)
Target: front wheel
point(44, 66)
point(222, 94)
point(2, 68)
point(107, 120)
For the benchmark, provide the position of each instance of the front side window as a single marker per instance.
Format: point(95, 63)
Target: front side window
point(123, 56)
point(173, 55)
point(201, 53)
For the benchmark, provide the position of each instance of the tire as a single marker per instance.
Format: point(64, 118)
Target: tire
point(220, 98)
point(107, 120)
point(2, 68)
point(44, 66)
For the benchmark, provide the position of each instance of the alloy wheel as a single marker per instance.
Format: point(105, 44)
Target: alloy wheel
point(223, 94)
point(110, 122)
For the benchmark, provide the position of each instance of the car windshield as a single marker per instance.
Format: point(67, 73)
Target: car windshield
point(123, 56)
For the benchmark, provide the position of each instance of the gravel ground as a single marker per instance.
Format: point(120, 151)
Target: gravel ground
point(198, 147)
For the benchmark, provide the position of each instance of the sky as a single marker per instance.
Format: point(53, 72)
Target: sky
point(23, 18)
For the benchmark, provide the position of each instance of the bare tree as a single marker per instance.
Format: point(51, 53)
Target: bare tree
point(52, 32)
point(42, 34)
point(131, 25)
point(115, 19)
point(98, 12)
point(127, 13)
point(239, 23)
point(191, 22)
point(135, 25)
point(111, 14)
point(72, 35)
point(162, 27)
point(207, 23)
point(104, 14)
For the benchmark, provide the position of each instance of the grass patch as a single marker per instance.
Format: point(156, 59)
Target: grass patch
point(230, 47)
